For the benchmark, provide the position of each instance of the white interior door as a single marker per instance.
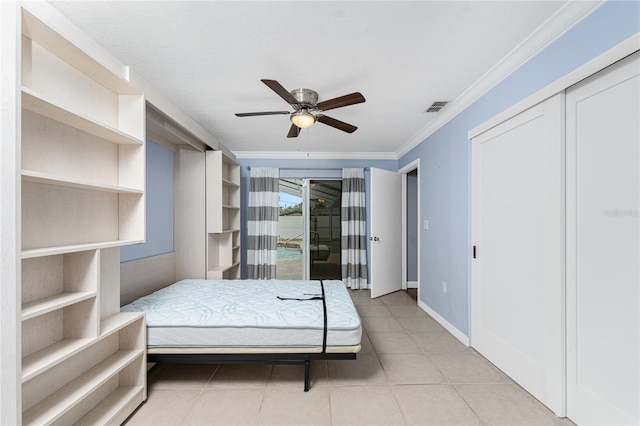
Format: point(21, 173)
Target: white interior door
point(517, 276)
point(385, 232)
point(603, 331)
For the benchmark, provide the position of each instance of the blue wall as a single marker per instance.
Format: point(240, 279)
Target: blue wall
point(445, 156)
point(159, 211)
point(319, 169)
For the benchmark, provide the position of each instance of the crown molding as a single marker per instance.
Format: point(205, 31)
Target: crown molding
point(614, 54)
point(550, 30)
point(295, 155)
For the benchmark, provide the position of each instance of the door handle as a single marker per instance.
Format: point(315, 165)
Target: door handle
point(374, 239)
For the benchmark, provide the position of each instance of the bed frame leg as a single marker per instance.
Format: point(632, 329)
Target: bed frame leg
point(306, 375)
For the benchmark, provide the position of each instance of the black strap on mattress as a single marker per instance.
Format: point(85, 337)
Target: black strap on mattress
point(324, 309)
point(301, 299)
point(324, 312)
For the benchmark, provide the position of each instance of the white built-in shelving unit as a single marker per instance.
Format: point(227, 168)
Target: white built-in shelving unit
point(82, 150)
point(207, 233)
point(223, 216)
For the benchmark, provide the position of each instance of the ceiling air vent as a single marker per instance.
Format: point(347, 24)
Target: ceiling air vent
point(436, 106)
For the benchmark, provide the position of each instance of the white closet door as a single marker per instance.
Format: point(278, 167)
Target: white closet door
point(517, 276)
point(603, 134)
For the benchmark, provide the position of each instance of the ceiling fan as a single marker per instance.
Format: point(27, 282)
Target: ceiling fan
point(307, 109)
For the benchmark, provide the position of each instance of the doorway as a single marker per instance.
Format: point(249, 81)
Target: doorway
point(309, 229)
point(410, 229)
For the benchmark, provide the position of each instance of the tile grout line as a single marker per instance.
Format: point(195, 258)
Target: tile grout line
point(202, 391)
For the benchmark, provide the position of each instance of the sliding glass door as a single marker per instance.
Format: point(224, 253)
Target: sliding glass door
point(324, 208)
point(309, 229)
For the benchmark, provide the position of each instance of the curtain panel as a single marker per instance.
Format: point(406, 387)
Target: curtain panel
point(262, 226)
point(354, 229)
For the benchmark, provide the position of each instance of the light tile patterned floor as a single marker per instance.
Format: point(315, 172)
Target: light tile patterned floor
point(410, 371)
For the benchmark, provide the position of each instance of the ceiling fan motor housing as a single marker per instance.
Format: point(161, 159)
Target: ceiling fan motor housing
point(305, 97)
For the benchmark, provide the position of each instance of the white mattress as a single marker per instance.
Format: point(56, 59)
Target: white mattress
point(248, 314)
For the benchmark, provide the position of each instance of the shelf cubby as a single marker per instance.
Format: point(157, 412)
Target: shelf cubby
point(78, 216)
point(43, 31)
point(50, 337)
point(51, 280)
point(42, 360)
point(115, 408)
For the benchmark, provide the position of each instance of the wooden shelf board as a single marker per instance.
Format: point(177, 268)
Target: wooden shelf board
point(46, 358)
point(224, 231)
point(222, 268)
point(50, 251)
point(226, 206)
point(50, 179)
point(114, 406)
point(59, 403)
point(52, 303)
point(229, 183)
point(118, 321)
point(39, 104)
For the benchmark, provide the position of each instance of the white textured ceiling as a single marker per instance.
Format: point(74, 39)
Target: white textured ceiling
point(208, 57)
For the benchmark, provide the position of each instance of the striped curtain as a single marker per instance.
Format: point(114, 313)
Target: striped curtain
point(354, 229)
point(262, 232)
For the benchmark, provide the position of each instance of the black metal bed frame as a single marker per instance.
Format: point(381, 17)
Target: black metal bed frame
point(264, 358)
point(269, 358)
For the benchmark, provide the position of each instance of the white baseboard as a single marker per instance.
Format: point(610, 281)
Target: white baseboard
point(446, 324)
point(412, 284)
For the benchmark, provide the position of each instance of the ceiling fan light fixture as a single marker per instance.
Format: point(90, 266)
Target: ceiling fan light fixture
point(303, 119)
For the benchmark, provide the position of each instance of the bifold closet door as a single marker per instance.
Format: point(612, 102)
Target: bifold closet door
point(603, 257)
point(517, 277)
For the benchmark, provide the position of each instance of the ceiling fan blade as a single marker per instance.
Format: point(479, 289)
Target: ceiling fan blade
point(294, 131)
point(340, 125)
point(281, 91)
point(252, 114)
point(342, 101)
